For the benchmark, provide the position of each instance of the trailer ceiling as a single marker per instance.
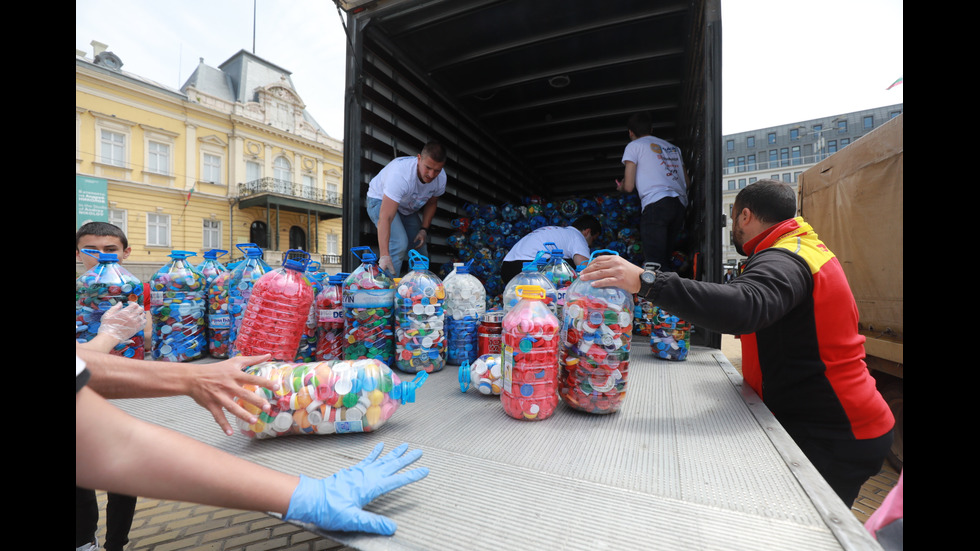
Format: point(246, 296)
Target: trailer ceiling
point(551, 80)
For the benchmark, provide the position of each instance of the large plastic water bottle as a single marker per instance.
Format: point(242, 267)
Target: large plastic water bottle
point(227, 297)
point(98, 290)
point(210, 268)
point(330, 319)
point(369, 301)
point(420, 340)
point(178, 305)
point(277, 309)
point(559, 272)
point(308, 340)
point(466, 301)
point(530, 358)
point(530, 275)
point(595, 346)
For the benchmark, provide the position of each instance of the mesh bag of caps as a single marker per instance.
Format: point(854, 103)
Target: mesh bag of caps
point(338, 396)
point(595, 346)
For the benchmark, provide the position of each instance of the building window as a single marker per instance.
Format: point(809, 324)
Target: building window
point(787, 177)
point(750, 141)
point(731, 185)
point(282, 170)
point(796, 176)
point(157, 230)
point(831, 147)
point(158, 158)
point(773, 158)
point(212, 234)
point(894, 114)
point(869, 122)
point(817, 129)
point(253, 171)
point(752, 163)
point(784, 156)
point(297, 238)
point(259, 234)
point(333, 244)
point(118, 218)
point(797, 156)
point(741, 164)
point(794, 134)
point(730, 145)
point(741, 183)
point(113, 148)
point(211, 171)
point(841, 127)
point(844, 142)
point(772, 137)
point(752, 180)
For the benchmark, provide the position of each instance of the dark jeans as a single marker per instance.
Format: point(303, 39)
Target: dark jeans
point(660, 226)
point(510, 269)
point(119, 513)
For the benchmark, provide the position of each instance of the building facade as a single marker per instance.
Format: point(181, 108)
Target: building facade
point(232, 157)
point(784, 152)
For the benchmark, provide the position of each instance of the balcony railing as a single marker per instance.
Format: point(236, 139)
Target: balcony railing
point(289, 189)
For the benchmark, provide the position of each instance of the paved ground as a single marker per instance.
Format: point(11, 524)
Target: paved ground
point(166, 525)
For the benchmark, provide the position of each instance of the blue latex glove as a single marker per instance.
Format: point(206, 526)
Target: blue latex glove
point(335, 503)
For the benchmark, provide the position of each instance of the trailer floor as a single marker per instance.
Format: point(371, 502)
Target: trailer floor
point(164, 525)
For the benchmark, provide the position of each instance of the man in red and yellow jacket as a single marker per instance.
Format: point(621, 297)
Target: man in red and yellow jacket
point(801, 350)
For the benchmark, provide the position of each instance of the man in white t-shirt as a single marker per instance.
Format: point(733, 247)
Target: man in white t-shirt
point(402, 200)
point(654, 168)
point(574, 241)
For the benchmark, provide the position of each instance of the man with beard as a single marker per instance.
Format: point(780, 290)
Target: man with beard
point(798, 321)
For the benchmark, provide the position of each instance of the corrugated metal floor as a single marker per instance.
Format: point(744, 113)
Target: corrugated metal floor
point(691, 461)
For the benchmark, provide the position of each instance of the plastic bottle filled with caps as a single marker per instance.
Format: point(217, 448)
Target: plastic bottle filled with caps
point(559, 272)
point(670, 336)
point(227, 296)
point(308, 340)
point(644, 310)
point(466, 302)
point(277, 310)
point(334, 397)
point(330, 319)
point(210, 267)
point(595, 346)
point(178, 305)
point(420, 339)
point(369, 302)
point(530, 275)
point(530, 358)
point(99, 289)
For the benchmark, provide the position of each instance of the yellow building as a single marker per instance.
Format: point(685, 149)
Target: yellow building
point(232, 157)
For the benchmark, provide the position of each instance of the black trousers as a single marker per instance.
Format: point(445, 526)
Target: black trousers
point(510, 269)
point(119, 513)
point(845, 464)
point(660, 226)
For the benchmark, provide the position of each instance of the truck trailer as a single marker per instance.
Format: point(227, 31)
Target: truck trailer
point(531, 99)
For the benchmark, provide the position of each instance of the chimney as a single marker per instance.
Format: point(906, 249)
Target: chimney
point(98, 48)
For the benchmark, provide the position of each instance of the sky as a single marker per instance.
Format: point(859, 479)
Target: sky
point(783, 61)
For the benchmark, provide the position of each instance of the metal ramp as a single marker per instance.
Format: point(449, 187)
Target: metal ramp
point(691, 461)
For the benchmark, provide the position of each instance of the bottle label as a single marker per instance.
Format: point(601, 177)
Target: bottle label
point(331, 315)
point(220, 321)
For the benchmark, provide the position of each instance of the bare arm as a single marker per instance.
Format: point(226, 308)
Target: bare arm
point(428, 213)
point(389, 209)
point(629, 177)
point(116, 452)
point(213, 386)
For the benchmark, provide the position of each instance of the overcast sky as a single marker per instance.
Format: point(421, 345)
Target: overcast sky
point(784, 60)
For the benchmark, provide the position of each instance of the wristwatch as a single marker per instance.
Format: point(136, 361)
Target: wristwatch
point(648, 278)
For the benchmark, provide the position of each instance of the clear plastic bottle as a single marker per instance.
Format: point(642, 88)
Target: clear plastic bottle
point(530, 275)
point(330, 319)
point(466, 302)
point(277, 310)
point(227, 297)
point(178, 305)
point(99, 289)
point(530, 358)
point(559, 272)
point(210, 267)
point(595, 346)
point(369, 301)
point(420, 338)
point(308, 340)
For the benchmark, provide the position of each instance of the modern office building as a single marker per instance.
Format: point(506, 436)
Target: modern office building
point(231, 157)
point(784, 152)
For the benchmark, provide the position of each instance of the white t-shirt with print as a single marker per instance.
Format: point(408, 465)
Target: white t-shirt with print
point(399, 181)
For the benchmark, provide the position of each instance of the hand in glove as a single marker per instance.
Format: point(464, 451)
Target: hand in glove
point(335, 503)
point(122, 323)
